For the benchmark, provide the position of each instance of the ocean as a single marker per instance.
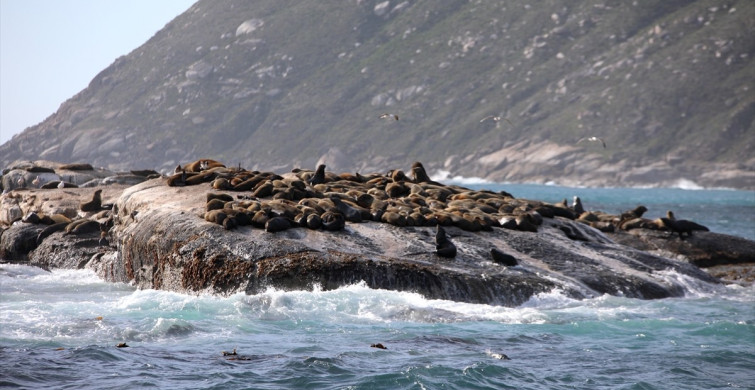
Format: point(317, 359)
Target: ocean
point(59, 329)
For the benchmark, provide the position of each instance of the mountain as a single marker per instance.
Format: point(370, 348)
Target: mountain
point(274, 84)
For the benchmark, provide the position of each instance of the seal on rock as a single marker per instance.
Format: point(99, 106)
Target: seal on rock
point(93, 205)
point(679, 226)
point(202, 165)
point(83, 226)
point(443, 246)
point(577, 206)
point(76, 167)
point(277, 224)
point(319, 176)
point(503, 258)
point(419, 173)
point(333, 221)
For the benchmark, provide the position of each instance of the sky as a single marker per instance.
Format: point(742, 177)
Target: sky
point(51, 49)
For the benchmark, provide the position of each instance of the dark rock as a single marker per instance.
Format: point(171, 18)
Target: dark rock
point(18, 240)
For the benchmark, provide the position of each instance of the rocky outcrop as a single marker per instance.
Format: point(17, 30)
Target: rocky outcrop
point(704, 249)
point(157, 236)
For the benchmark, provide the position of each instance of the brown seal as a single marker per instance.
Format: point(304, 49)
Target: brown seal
point(76, 167)
point(202, 165)
point(93, 205)
point(215, 204)
point(419, 174)
point(83, 226)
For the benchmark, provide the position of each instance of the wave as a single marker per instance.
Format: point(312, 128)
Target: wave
point(445, 177)
point(92, 312)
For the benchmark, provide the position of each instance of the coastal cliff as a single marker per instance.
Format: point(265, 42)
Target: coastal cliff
point(157, 235)
point(665, 83)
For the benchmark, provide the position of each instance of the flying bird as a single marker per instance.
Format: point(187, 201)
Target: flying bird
point(496, 119)
point(593, 139)
point(387, 115)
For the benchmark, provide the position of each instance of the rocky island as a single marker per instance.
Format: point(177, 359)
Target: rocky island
point(214, 229)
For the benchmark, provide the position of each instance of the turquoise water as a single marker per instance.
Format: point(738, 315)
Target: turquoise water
point(722, 211)
point(51, 335)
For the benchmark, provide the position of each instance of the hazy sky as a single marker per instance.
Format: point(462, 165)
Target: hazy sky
point(51, 49)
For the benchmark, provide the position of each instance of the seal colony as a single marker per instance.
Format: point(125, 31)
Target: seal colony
point(224, 229)
point(326, 200)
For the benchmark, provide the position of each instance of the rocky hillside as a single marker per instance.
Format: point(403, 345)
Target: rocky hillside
point(272, 84)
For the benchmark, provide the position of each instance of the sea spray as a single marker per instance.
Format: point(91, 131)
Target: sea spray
point(59, 329)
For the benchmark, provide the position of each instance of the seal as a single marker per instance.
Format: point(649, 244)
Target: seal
point(83, 226)
point(76, 167)
point(56, 227)
point(333, 221)
point(148, 173)
point(632, 219)
point(502, 258)
point(202, 165)
point(443, 246)
point(526, 223)
point(319, 176)
point(577, 206)
point(31, 217)
point(637, 212)
point(388, 116)
point(93, 205)
point(349, 212)
point(215, 204)
point(215, 216)
point(680, 226)
point(277, 224)
point(314, 221)
point(419, 174)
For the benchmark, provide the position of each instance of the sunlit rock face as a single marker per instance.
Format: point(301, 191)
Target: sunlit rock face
point(275, 87)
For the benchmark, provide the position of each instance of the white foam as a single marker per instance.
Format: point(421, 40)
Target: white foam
point(445, 177)
point(693, 287)
point(686, 184)
point(359, 303)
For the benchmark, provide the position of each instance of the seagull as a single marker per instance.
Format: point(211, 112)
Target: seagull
point(36, 181)
point(496, 119)
point(387, 115)
point(593, 139)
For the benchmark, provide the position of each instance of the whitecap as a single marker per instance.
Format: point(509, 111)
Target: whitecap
point(445, 177)
point(686, 184)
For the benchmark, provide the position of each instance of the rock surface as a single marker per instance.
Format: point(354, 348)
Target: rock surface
point(160, 239)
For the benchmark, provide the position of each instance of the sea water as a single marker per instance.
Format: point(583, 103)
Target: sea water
point(59, 329)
